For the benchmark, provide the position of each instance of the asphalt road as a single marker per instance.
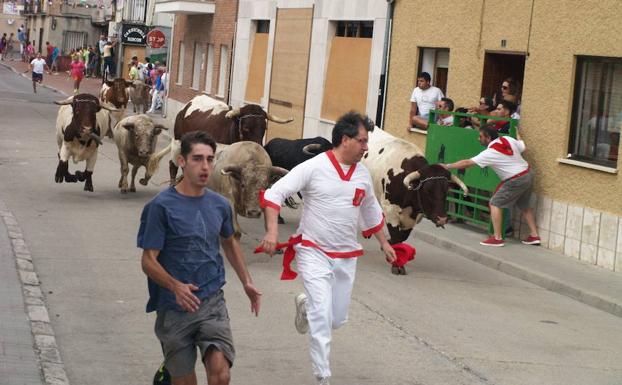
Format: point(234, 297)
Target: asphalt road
point(449, 321)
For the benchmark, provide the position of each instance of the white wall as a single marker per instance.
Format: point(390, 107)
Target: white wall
point(325, 11)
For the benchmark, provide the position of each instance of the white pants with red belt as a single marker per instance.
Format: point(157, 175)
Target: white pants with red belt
point(328, 285)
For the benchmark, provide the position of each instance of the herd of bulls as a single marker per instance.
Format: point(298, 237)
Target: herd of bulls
point(407, 187)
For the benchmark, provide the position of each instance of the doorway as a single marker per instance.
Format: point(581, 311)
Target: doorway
point(500, 66)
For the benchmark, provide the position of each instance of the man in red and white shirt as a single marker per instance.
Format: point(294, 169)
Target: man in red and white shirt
point(503, 155)
point(338, 197)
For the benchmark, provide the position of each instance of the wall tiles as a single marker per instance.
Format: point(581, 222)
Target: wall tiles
point(606, 258)
point(608, 233)
point(619, 246)
point(558, 217)
point(572, 247)
point(544, 237)
point(556, 242)
point(543, 213)
point(591, 226)
point(588, 252)
point(574, 222)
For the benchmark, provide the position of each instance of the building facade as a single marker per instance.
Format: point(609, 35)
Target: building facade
point(201, 51)
point(567, 57)
point(311, 60)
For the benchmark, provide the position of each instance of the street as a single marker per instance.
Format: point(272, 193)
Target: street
point(449, 321)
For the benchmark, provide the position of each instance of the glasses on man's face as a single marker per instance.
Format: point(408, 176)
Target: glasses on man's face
point(504, 87)
point(362, 141)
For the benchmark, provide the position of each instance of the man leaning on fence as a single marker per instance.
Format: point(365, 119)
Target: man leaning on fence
point(503, 155)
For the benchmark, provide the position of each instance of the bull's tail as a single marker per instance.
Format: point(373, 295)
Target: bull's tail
point(154, 160)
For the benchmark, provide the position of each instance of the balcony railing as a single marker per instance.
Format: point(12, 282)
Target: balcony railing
point(188, 7)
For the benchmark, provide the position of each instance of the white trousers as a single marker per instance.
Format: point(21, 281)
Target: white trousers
point(328, 285)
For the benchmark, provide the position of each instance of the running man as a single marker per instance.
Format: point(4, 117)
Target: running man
point(37, 66)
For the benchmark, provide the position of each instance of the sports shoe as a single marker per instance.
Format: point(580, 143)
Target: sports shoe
point(531, 241)
point(322, 381)
point(302, 325)
point(492, 241)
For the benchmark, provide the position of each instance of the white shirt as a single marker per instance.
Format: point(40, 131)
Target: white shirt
point(505, 166)
point(38, 65)
point(331, 213)
point(426, 99)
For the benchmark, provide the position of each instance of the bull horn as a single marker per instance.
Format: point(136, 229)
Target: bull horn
point(96, 138)
point(234, 113)
point(111, 109)
point(234, 171)
point(456, 180)
point(160, 126)
point(154, 160)
point(276, 119)
point(411, 177)
point(280, 171)
point(69, 100)
point(307, 150)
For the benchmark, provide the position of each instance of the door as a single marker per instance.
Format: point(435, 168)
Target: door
point(500, 66)
point(290, 64)
point(129, 51)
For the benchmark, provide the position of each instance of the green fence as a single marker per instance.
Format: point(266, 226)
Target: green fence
point(448, 144)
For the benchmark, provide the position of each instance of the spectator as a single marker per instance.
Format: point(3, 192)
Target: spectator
point(510, 90)
point(133, 74)
point(21, 37)
point(2, 46)
point(77, 72)
point(49, 49)
point(159, 90)
point(505, 109)
point(463, 121)
point(423, 99)
point(485, 107)
point(10, 46)
point(55, 56)
point(445, 104)
point(109, 59)
point(91, 70)
point(147, 67)
point(503, 155)
point(101, 44)
point(30, 51)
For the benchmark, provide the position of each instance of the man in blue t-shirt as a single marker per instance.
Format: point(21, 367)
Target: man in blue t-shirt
point(181, 231)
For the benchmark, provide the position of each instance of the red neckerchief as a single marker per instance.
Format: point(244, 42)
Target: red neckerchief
point(335, 162)
point(503, 146)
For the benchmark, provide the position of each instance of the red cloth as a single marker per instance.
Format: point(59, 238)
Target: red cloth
point(288, 256)
point(503, 146)
point(404, 253)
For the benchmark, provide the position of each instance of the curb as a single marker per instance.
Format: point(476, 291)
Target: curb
point(598, 301)
point(45, 346)
point(23, 74)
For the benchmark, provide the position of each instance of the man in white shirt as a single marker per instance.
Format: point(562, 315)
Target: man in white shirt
point(503, 155)
point(37, 66)
point(338, 198)
point(423, 99)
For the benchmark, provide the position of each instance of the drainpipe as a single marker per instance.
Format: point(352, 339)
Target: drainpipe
point(382, 100)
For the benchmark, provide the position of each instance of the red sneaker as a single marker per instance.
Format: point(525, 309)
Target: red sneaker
point(531, 241)
point(492, 241)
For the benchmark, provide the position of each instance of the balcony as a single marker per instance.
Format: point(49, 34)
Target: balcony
point(185, 7)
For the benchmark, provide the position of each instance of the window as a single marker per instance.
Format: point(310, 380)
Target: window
point(222, 78)
point(263, 26)
point(257, 62)
point(180, 67)
point(364, 29)
point(197, 64)
point(435, 61)
point(597, 111)
point(209, 71)
point(135, 10)
point(73, 40)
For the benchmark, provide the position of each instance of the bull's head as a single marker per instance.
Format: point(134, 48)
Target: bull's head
point(118, 87)
point(143, 134)
point(247, 181)
point(84, 108)
point(428, 189)
point(250, 122)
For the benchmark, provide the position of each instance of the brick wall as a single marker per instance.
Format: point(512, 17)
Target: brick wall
point(217, 29)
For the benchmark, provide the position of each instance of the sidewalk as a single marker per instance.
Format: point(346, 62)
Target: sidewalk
point(589, 284)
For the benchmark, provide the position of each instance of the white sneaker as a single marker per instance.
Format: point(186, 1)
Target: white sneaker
point(322, 381)
point(302, 325)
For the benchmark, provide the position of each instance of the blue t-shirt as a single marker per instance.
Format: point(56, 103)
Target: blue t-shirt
point(186, 230)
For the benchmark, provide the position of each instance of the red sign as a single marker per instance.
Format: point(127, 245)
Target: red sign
point(156, 38)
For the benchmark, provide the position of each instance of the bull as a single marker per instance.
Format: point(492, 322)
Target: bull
point(115, 93)
point(78, 135)
point(406, 186)
point(241, 171)
point(225, 124)
point(136, 138)
point(139, 96)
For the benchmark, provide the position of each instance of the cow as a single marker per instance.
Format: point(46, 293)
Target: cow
point(241, 171)
point(139, 96)
point(288, 154)
point(136, 138)
point(406, 186)
point(225, 124)
point(115, 93)
point(78, 135)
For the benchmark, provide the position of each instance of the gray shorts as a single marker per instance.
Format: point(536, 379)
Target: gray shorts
point(514, 192)
point(180, 334)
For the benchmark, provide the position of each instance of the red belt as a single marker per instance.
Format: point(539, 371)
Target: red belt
point(513, 177)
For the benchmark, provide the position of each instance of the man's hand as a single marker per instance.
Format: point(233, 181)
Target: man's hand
point(255, 296)
point(269, 243)
point(444, 165)
point(184, 297)
point(389, 253)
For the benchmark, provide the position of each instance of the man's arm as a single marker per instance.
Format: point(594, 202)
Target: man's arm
point(272, 230)
point(413, 113)
point(389, 253)
point(464, 163)
point(233, 252)
point(182, 291)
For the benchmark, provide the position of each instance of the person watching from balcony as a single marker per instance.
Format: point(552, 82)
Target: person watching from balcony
point(422, 100)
